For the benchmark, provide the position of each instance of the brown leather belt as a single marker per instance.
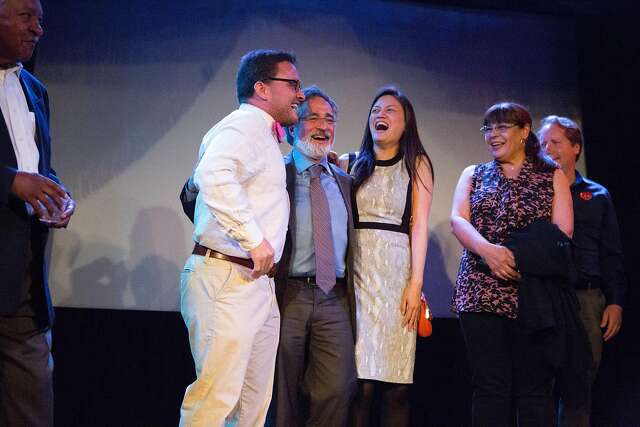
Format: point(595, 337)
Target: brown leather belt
point(198, 249)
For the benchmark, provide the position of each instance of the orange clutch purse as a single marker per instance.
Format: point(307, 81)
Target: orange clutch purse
point(424, 322)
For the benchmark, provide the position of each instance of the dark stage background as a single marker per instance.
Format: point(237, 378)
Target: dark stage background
point(130, 368)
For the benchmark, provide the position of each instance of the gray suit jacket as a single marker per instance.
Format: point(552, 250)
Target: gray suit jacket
point(345, 183)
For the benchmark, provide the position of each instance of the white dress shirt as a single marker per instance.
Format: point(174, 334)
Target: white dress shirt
point(21, 123)
point(241, 181)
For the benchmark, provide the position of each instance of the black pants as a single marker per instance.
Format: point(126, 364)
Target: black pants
point(315, 356)
point(509, 373)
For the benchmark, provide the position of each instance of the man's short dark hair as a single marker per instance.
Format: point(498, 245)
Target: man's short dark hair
point(309, 93)
point(258, 65)
point(571, 130)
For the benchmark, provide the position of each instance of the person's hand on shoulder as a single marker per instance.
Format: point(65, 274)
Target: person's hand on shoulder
point(332, 157)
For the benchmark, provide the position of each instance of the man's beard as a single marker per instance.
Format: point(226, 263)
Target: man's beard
point(312, 150)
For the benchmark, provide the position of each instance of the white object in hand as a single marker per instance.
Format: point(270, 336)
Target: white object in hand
point(55, 216)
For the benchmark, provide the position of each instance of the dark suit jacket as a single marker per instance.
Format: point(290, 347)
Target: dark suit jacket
point(345, 184)
point(23, 237)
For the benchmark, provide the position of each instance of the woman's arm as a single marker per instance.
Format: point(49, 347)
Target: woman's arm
point(562, 204)
point(421, 197)
point(499, 259)
point(461, 226)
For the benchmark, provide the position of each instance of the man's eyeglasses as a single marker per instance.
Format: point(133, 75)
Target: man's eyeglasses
point(295, 84)
point(500, 127)
point(331, 121)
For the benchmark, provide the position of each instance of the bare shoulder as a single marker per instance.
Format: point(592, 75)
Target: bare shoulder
point(468, 172)
point(345, 156)
point(423, 166)
point(560, 178)
point(464, 182)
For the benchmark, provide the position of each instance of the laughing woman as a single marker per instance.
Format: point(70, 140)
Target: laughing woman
point(393, 182)
point(521, 185)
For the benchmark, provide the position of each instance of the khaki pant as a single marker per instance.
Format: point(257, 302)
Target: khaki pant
point(234, 324)
point(26, 373)
point(576, 412)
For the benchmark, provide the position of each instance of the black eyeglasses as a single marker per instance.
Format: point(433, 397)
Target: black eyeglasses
point(295, 84)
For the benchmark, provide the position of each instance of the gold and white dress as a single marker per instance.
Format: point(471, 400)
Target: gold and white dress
point(385, 351)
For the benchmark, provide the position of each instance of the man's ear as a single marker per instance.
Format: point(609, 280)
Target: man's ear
point(290, 137)
point(577, 148)
point(261, 90)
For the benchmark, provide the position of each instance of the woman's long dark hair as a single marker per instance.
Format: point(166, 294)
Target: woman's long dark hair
point(410, 145)
point(513, 113)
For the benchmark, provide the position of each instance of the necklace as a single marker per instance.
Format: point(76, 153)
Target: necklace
point(511, 171)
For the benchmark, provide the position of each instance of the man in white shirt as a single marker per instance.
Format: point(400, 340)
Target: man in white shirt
point(241, 215)
point(31, 200)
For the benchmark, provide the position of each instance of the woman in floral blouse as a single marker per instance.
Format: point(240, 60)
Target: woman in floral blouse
point(491, 201)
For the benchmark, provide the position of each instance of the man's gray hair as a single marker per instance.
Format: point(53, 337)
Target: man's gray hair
point(314, 92)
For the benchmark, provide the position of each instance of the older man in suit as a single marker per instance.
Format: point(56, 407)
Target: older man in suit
point(31, 200)
point(313, 283)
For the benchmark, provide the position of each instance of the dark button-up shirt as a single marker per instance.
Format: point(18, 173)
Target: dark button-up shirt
point(596, 239)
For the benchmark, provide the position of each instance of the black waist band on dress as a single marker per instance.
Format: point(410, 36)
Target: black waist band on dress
point(398, 228)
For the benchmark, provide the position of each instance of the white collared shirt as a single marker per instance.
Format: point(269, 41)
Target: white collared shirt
point(241, 181)
point(21, 123)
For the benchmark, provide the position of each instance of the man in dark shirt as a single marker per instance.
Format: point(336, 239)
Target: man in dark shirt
point(598, 256)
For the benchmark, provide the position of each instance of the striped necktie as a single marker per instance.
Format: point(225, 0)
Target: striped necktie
point(322, 235)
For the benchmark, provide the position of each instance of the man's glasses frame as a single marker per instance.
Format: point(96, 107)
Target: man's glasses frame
point(331, 121)
point(293, 83)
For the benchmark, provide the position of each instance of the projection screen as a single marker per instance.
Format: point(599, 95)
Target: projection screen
point(134, 86)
